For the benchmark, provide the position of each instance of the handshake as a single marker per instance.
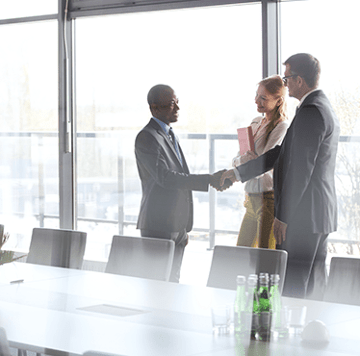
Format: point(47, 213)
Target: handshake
point(222, 180)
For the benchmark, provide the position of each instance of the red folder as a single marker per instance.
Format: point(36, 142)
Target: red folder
point(246, 139)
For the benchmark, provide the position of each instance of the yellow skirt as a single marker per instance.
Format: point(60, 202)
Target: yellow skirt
point(257, 226)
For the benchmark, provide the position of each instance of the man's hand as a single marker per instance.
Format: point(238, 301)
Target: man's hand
point(227, 175)
point(215, 181)
point(279, 231)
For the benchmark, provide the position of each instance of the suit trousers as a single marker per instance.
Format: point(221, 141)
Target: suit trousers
point(306, 274)
point(181, 240)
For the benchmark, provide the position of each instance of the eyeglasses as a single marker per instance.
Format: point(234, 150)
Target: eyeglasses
point(285, 79)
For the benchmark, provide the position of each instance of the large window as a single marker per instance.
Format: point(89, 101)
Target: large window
point(214, 71)
point(211, 56)
point(326, 29)
point(29, 193)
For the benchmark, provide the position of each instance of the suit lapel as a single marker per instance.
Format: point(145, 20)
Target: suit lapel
point(184, 164)
point(169, 144)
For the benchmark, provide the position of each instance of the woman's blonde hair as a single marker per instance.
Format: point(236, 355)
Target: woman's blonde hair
point(275, 86)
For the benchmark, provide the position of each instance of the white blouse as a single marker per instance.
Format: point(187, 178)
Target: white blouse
point(263, 182)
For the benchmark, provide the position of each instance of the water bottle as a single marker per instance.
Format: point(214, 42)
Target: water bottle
point(264, 308)
point(252, 306)
point(277, 322)
point(240, 305)
point(254, 276)
point(264, 293)
point(275, 296)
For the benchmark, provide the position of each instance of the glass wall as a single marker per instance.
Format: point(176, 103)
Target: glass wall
point(329, 35)
point(214, 71)
point(211, 56)
point(29, 176)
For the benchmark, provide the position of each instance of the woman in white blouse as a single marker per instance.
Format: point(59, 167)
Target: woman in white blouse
point(269, 130)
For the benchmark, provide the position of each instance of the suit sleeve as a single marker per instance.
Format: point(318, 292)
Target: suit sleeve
point(155, 162)
point(258, 166)
point(299, 161)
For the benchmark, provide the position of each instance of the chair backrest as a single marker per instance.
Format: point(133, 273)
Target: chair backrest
point(99, 353)
point(4, 344)
point(230, 261)
point(344, 282)
point(141, 257)
point(1, 230)
point(57, 247)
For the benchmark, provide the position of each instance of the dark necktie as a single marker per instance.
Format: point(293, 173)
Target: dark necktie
point(174, 142)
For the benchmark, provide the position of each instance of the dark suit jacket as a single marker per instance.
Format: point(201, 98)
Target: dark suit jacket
point(304, 167)
point(166, 203)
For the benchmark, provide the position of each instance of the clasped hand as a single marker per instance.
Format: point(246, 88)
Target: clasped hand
point(218, 183)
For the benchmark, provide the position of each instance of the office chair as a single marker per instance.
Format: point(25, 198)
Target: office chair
point(99, 353)
point(4, 344)
point(343, 283)
point(141, 257)
point(230, 261)
point(57, 247)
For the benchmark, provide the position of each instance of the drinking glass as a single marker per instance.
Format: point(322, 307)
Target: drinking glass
point(221, 319)
point(296, 316)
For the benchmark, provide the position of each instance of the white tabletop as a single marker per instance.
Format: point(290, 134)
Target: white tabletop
point(27, 272)
point(58, 311)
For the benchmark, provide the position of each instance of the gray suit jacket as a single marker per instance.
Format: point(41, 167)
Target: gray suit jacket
point(304, 168)
point(166, 203)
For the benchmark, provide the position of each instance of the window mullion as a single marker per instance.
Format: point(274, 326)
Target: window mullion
point(270, 34)
point(66, 152)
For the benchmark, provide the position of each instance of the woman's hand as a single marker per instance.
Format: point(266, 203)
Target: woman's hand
point(279, 231)
point(248, 156)
point(236, 160)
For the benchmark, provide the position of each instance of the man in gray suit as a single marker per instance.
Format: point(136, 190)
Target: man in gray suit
point(304, 183)
point(166, 209)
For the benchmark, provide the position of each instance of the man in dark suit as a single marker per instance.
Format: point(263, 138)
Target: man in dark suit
point(166, 209)
point(304, 184)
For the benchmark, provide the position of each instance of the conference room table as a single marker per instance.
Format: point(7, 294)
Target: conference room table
point(58, 311)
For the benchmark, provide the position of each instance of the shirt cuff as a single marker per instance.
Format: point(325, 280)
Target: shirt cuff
point(237, 174)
